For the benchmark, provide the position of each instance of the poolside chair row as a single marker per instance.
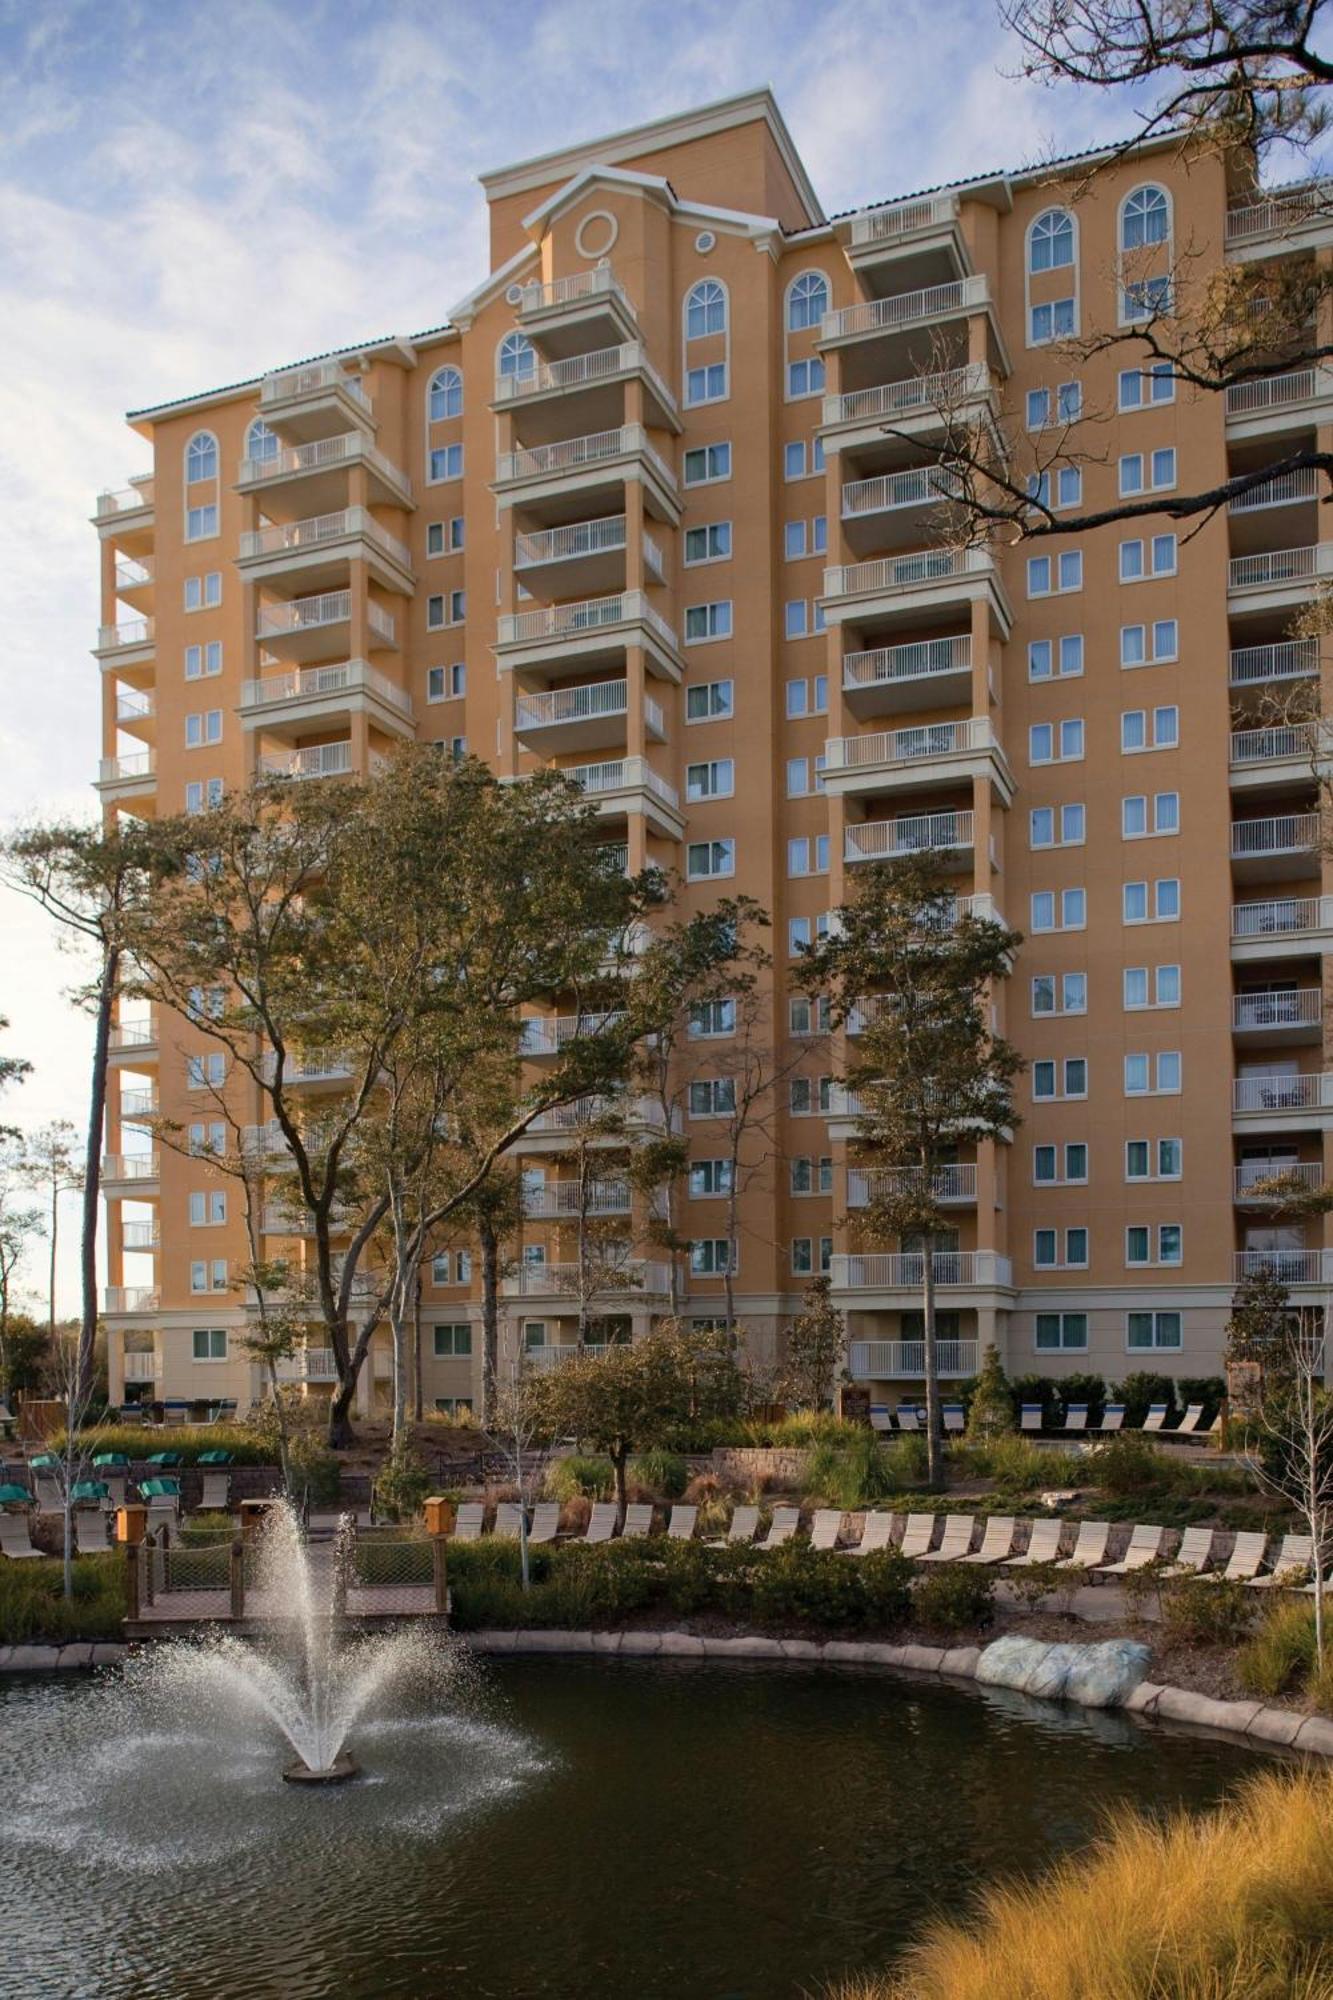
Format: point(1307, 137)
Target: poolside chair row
point(1245, 1564)
point(1113, 1419)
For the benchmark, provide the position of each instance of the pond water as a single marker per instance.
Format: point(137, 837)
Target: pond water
point(633, 1830)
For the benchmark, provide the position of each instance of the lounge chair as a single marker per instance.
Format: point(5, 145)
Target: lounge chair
point(468, 1521)
point(681, 1526)
point(176, 1415)
point(1043, 1546)
point(955, 1542)
point(601, 1522)
point(744, 1525)
point(917, 1535)
point(825, 1528)
point(1313, 1589)
point(1113, 1418)
point(877, 1534)
point(90, 1536)
point(955, 1418)
point(638, 1520)
point(1192, 1423)
point(216, 1495)
point(116, 1484)
point(1245, 1560)
point(47, 1491)
point(16, 1538)
point(508, 1519)
point(881, 1417)
point(1090, 1547)
point(909, 1419)
point(1156, 1416)
point(1076, 1416)
point(996, 1541)
point(1292, 1568)
point(781, 1528)
point(1030, 1417)
point(1196, 1545)
point(1145, 1545)
point(545, 1522)
point(163, 1512)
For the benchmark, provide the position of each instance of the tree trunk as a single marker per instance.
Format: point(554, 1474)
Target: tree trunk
point(92, 1169)
point(417, 1393)
point(934, 1425)
point(490, 1315)
point(340, 1434)
point(51, 1272)
point(619, 1463)
point(729, 1274)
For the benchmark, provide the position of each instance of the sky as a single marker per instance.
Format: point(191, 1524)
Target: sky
point(192, 194)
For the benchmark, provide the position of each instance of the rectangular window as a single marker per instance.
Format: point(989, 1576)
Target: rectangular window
point(1038, 409)
point(1051, 576)
point(808, 857)
point(706, 858)
point(1057, 1331)
point(208, 1274)
point(208, 1208)
point(202, 1072)
point(706, 463)
point(1146, 297)
point(805, 378)
point(796, 465)
point(202, 662)
point(1052, 321)
point(709, 1179)
point(1068, 912)
point(706, 385)
point(1152, 1329)
point(804, 932)
point(710, 544)
point(1141, 559)
point(1142, 387)
point(709, 700)
point(1046, 1244)
point(712, 1018)
point(1056, 742)
point(1148, 1076)
point(714, 780)
point(1057, 1166)
point(1052, 1080)
point(1147, 472)
point(1057, 826)
point(202, 728)
point(1149, 645)
point(1150, 729)
point(1153, 1160)
point(446, 462)
point(802, 1257)
point(795, 613)
point(711, 1257)
point(454, 1267)
point(208, 1343)
point(712, 1096)
point(203, 592)
point(707, 621)
point(201, 523)
point(1146, 1245)
point(1056, 659)
point(453, 1341)
point(1064, 993)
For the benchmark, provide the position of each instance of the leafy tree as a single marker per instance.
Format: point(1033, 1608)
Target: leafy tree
point(50, 1164)
point(13, 1069)
point(1260, 1317)
point(929, 1069)
point(19, 1225)
point(1295, 1455)
point(816, 1346)
point(991, 1411)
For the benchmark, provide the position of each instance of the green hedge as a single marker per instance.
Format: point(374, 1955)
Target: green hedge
point(139, 1441)
point(33, 1611)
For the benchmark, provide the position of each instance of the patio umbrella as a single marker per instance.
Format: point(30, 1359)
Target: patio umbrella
point(11, 1495)
point(160, 1489)
point(214, 1458)
point(164, 1458)
point(114, 1458)
point(89, 1492)
point(45, 1461)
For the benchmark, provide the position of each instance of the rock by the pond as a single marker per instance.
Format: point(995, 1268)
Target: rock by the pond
point(1050, 1674)
point(1105, 1674)
point(1008, 1662)
point(1098, 1676)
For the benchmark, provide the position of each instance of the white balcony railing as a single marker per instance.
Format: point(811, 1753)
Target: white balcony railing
point(587, 1114)
point(887, 1270)
point(547, 1036)
point(138, 1104)
point(885, 1360)
point(338, 677)
point(131, 1166)
point(134, 574)
point(909, 746)
point(591, 614)
point(906, 308)
point(1257, 1013)
point(624, 774)
point(920, 486)
point(903, 218)
point(919, 660)
point(319, 760)
point(309, 614)
point(130, 632)
point(314, 379)
point(885, 839)
point(128, 500)
point(321, 455)
point(140, 1236)
point(601, 282)
point(134, 1035)
point(914, 571)
point(135, 705)
point(298, 537)
point(580, 704)
point(1280, 566)
point(1280, 491)
point(1288, 833)
point(121, 770)
point(579, 538)
point(556, 1201)
point(1310, 1091)
point(942, 392)
point(140, 1367)
point(867, 1185)
point(583, 371)
point(1274, 392)
point(1276, 214)
point(130, 1298)
point(1256, 1173)
point(1289, 1267)
point(574, 454)
point(1288, 659)
point(309, 1364)
point(1276, 745)
point(563, 1280)
point(1288, 916)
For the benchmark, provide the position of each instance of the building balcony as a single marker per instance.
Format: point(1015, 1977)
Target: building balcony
point(873, 319)
point(634, 1279)
point(1289, 1267)
point(566, 1201)
point(1285, 489)
point(1252, 1174)
point(322, 399)
point(595, 380)
point(127, 518)
point(136, 712)
point(301, 628)
point(130, 643)
point(919, 759)
point(136, 580)
point(320, 471)
point(603, 1122)
point(317, 760)
point(1291, 927)
point(1296, 400)
point(1293, 1016)
point(920, 406)
point(1285, 755)
point(566, 316)
point(926, 673)
point(552, 482)
point(541, 1360)
point(1277, 578)
point(908, 589)
point(905, 1360)
point(140, 1236)
point(1279, 509)
point(1290, 218)
point(311, 1066)
point(921, 235)
point(122, 1301)
point(948, 835)
point(887, 511)
point(308, 698)
point(1258, 1102)
point(625, 785)
point(131, 1176)
point(308, 1364)
point(582, 556)
point(1288, 660)
point(589, 717)
point(140, 1367)
point(129, 779)
point(558, 639)
point(134, 1044)
point(954, 1270)
point(952, 1186)
point(551, 1034)
point(1274, 850)
point(315, 553)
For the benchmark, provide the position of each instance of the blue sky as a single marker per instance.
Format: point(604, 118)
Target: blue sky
point(192, 193)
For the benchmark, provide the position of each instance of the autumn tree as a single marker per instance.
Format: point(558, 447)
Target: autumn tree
point(816, 1349)
point(929, 1070)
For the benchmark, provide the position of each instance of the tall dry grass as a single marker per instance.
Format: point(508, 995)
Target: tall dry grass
point(1234, 1904)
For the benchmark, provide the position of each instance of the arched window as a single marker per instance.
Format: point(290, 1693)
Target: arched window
point(1051, 241)
point(705, 309)
point(807, 301)
point(201, 457)
point(260, 442)
point(1145, 219)
point(446, 395)
point(517, 355)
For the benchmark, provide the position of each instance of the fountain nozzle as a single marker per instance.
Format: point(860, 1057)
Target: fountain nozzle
point(339, 1771)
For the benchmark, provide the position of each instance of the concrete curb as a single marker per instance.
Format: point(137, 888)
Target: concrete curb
point(59, 1659)
point(1284, 1727)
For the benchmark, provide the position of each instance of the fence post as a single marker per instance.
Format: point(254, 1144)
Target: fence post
point(344, 1547)
point(132, 1582)
point(439, 1576)
point(149, 1549)
point(236, 1578)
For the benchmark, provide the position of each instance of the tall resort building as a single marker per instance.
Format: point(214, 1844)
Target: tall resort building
point(653, 505)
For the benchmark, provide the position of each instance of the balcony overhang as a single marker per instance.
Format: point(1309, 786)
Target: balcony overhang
point(568, 647)
point(902, 592)
point(857, 765)
point(317, 474)
point(549, 493)
point(298, 703)
point(309, 570)
point(319, 401)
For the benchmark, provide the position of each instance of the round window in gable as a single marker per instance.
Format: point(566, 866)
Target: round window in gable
point(705, 241)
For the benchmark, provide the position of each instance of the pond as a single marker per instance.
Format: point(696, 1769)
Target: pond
point(563, 1827)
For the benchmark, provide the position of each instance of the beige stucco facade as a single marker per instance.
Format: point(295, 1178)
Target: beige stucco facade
point(404, 549)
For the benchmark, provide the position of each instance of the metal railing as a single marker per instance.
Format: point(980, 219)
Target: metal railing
point(1285, 209)
point(140, 1236)
point(140, 1367)
point(573, 454)
point(1287, 833)
point(350, 447)
point(135, 1104)
point(309, 614)
point(132, 632)
point(1310, 1091)
point(555, 1200)
point(134, 1035)
point(547, 1036)
point(295, 537)
point(319, 760)
point(131, 1166)
point(880, 1360)
point(1302, 1007)
point(564, 1280)
point(1282, 742)
point(1289, 1267)
point(918, 487)
point(866, 1185)
point(1279, 566)
point(582, 371)
point(338, 677)
point(579, 538)
point(119, 770)
point(884, 1270)
point(601, 282)
point(590, 614)
point(130, 1298)
point(1288, 659)
point(909, 746)
point(1280, 491)
point(907, 572)
point(940, 391)
point(1288, 916)
point(878, 840)
point(917, 660)
point(309, 1364)
point(623, 774)
point(314, 379)
point(578, 704)
point(884, 315)
point(1253, 1173)
point(589, 1112)
point(903, 218)
point(134, 573)
point(127, 500)
point(1274, 392)
point(133, 705)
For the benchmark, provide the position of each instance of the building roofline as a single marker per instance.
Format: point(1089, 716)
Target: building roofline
point(382, 344)
point(722, 115)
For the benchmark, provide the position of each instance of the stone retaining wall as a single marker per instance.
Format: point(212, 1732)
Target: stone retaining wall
point(779, 1465)
point(59, 1659)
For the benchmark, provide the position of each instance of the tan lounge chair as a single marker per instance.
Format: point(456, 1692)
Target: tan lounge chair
point(1312, 1589)
point(744, 1525)
point(47, 1491)
point(638, 1520)
point(1246, 1560)
point(164, 1511)
point(908, 1418)
point(1030, 1417)
point(996, 1541)
point(601, 1522)
point(782, 1527)
point(116, 1483)
point(955, 1418)
point(1076, 1416)
point(1090, 1548)
point(1196, 1546)
point(545, 1521)
point(1156, 1417)
point(917, 1535)
point(1113, 1418)
point(955, 1542)
point(680, 1528)
point(216, 1495)
point(1043, 1546)
point(1192, 1423)
point(876, 1535)
point(825, 1528)
point(1145, 1545)
point(90, 1536)
point(508, 1519)
point(16, 1538)
point(468, 1521)
point(1292, 1568)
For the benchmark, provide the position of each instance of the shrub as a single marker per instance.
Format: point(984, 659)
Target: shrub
point(1206, 1614)
point(33, 1611)
point(315, 1471)
point(247, 1444)
point(576, 1478)
point(855, 1473)
point(1281, 1653)
point(1319, 1687)
point(1035, 1583)
point(798, 1584)
point(885, 1578)
point(1016, 1462)
point(1089, 1389)
point(990, 1409)
point(1138, 1392)
point(1036, 1389)
point(688, 1577)
point(1140, 1587)
point(954, 1597)
point(1210, 1390)
point(204, 1528)
point(663, 1474)
point(906, 1462)
point(402, 1483)
point(1128, 1466)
